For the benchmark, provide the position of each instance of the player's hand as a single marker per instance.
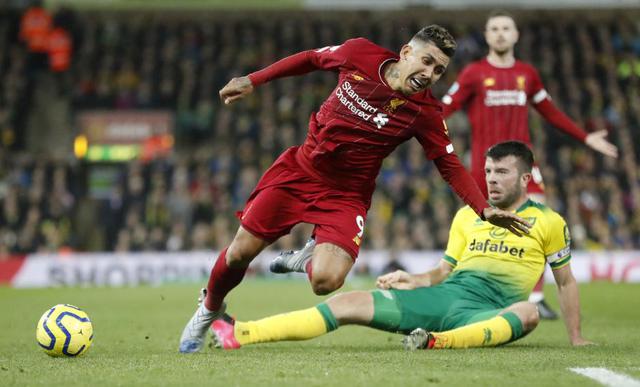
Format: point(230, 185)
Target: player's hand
point(506, 219)
point(397, 280)
point(597, 141)
point(580, 342)
point(236, 89)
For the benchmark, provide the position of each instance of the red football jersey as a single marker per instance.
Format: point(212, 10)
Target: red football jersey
point(364, 120)
point(496, 102)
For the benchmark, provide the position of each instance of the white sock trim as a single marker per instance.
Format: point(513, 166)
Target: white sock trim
point(536, 297)
point(205, 310)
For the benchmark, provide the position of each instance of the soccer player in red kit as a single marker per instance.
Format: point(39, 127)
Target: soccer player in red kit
point(382, 99)
point(496, 92)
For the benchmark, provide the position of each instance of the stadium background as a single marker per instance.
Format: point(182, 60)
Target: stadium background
point(125, 147)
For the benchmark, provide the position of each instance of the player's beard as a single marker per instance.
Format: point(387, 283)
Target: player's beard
point(507, 199)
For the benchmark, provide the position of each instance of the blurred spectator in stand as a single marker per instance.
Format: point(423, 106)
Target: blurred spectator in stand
point(35, 26)
point(59, 49)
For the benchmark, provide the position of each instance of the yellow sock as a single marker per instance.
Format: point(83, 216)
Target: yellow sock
point(488, 333)
point(299, 325)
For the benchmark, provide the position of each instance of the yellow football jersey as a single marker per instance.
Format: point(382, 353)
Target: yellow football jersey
point(515, 263)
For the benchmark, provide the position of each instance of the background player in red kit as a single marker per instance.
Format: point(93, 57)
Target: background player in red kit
point(382, 100)
point(496, 92)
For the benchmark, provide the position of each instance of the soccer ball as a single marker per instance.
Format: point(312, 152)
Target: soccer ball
point(64, 330)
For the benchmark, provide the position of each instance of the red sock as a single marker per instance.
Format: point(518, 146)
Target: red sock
point(539, 285)
point(309, 269)
point(222, 279)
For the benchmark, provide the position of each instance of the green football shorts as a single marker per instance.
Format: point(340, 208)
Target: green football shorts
point(464, 298)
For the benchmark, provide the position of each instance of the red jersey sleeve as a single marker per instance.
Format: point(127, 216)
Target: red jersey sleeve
point(433, 135)
point(326, 58)
point(535, 91)
point(541, 101)
point(454, 173)
point(296, 64)
point(434, 138)
point(333, 57)
point(459, 93)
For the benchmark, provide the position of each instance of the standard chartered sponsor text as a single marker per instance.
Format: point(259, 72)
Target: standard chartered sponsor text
point(347, 97)
point(505, 97)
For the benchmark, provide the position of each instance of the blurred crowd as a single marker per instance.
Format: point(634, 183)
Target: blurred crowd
point(188, 200)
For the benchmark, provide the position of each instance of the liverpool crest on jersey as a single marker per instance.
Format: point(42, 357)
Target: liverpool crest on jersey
point(393, 105)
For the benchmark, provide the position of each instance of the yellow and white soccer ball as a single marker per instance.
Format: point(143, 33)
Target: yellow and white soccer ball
point(64, 330)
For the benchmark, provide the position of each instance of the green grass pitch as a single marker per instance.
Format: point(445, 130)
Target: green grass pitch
point(137, 331)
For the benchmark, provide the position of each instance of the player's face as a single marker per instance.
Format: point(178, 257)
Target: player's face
point(420, 66)
point(501, 34)
point(505, 183)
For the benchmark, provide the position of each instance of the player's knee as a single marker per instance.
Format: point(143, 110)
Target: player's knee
point(325, 284)
point(527, 313)
point(244, 248)
point(530, 317)
point(239, 253)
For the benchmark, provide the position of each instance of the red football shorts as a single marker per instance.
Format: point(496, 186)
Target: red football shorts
point(286, 195)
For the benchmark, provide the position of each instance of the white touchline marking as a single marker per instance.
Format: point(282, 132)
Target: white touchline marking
point(607, 377)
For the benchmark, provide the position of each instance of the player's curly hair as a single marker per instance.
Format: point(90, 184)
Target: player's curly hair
point(439, 36)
